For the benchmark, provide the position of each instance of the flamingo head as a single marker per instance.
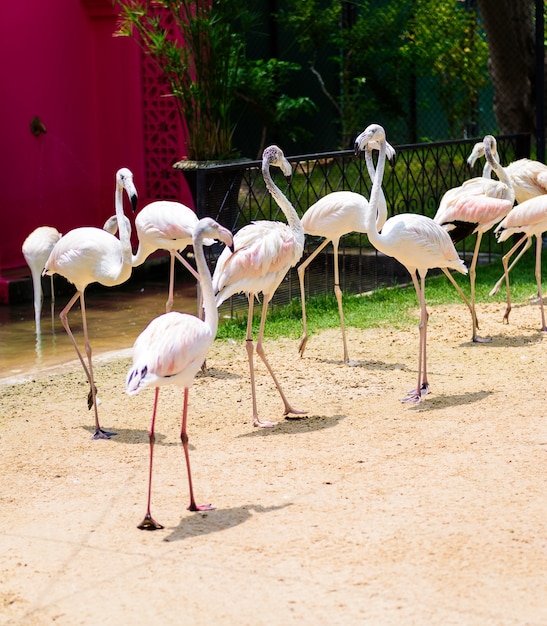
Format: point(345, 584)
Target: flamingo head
point(124, 180)
point(207, 228)
point(273, 155)
point(373, 133)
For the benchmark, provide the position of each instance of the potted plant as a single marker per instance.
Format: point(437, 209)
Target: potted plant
point(198, 45)
point(200, 48)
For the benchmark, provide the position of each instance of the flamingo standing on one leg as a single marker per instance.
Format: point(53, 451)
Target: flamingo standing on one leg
point(36, 249)
point(171, 350)
point(88, 255)
point(414, 240)
point(337, 214)
point(264, 251)
point(528, 217)
point(475, 207)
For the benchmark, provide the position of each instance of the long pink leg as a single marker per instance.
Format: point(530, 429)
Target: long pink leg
point(170, 299)
point(472, 277)
point(92, 398)
point(250, 355)
point(422, 386)
point(539, 243)
point(338, 294)
point(301, 277)
point(184, 439)
point(149, 523)
point(462, 295)
point(262, 355)
point(505, 259)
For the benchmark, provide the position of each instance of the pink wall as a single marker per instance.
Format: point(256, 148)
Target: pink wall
point(60, 62)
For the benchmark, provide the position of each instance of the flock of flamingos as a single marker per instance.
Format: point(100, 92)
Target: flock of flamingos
point(174, 346)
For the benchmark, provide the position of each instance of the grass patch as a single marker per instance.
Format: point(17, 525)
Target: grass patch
point(395, 307)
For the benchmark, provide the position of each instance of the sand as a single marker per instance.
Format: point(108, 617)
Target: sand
point(367, 511)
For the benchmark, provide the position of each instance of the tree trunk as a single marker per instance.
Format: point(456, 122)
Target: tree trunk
point(509, 27)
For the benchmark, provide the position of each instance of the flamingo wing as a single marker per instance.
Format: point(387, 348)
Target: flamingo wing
point(417, 241)
point(336, 214)
point(86, 255)
point(529, 217)
point(263, 253)
point(171, 349)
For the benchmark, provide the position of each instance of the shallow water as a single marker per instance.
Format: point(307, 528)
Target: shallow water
point(115, 317)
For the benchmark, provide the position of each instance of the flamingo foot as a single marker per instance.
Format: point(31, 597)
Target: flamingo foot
point(290, 410)
point(263, 424)
point(478, 339)
point(302, 344)
point(149, 523)
point(415, 395)
point(506, 315)
point(201, 507)
point(102, 434)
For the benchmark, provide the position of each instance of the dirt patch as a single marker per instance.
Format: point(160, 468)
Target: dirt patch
point(369, 511)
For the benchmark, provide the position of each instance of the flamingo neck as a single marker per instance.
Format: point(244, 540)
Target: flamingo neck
point(381, 213)
point(375, 194)
point(123, 228)
point(209, 304)
point(283, 203)
point(496, 166)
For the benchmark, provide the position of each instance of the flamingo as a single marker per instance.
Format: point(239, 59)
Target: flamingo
point(529, 177)
point(263, 253)
point(414, 240)
point(171, 349)
point(36, 250)
point(166, 225)
point(528, 217)
point(88, 255)
point(529, 180)
point(332, 216)
point(475, 207)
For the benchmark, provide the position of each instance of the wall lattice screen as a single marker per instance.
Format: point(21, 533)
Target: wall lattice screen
point(162, 136)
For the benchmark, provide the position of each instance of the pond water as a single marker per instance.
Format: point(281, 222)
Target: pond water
point(115, 317)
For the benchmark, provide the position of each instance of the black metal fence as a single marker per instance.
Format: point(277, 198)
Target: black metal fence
point(236, 195)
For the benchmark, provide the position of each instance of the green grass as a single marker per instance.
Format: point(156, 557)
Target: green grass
point(395, 307)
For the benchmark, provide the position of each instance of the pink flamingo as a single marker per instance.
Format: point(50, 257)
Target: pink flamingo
point(88, 255)
point(414, 240)
point(171, 350)
point(36, 249)
point(332, 216)
point(475, 207)
point(528, 217)
point(263, 253)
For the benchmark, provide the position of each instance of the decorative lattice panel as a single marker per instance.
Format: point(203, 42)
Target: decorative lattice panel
point(162, 136)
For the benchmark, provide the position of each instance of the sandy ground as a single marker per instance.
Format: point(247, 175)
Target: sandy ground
point(368, 511)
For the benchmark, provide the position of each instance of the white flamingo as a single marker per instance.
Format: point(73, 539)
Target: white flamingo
point(475, 207)
point(36, 249)
point(529, 180)
point(528, 217)
point(414, 240)
point(88, 255)
point(171, 349)
point(529, 177)
point(333, 216)
point(263, 253)
point(166, 225)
